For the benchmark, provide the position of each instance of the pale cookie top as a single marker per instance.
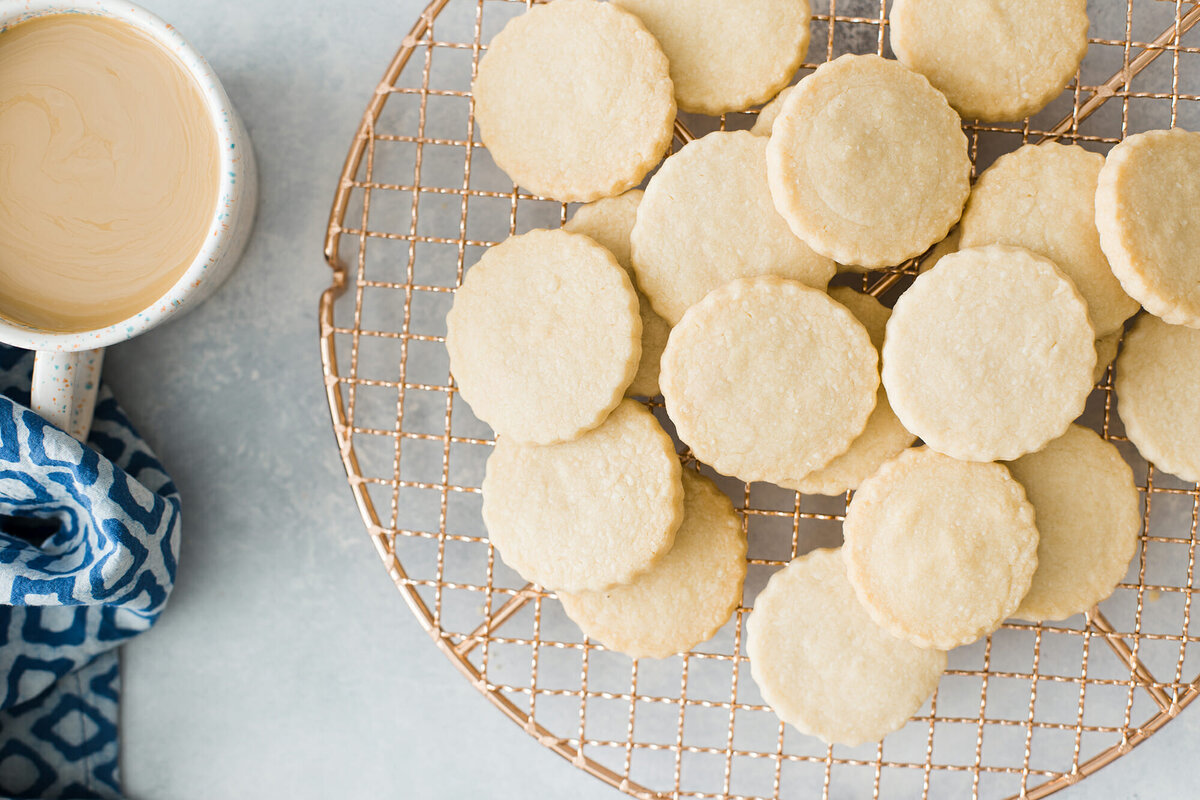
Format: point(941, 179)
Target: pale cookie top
point(884, 437)
point(995, 60)
point(940, 551)
point(1158, 394)
point(1145, 209)
point(824, 665)
point(1088, 518)
point(989, 356)
point(867, 162)
point(1106, 354)
point(544, 336)
point(1043, 198)
point(548, 107)
point(767, 378)
point(727, 55)
point(686, 596)
point(707, 219)
point(590, 514)
point(769, 113)
point(609, 222)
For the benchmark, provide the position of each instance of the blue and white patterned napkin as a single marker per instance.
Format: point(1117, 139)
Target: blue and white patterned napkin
point(88, 542)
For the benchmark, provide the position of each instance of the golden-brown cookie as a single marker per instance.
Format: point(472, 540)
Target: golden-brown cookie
point(1106, 354)
point(940, 551)
point(940, 250)
point(884, 438)
point(544, 336)
point(996, 60)
point(609, 222)
point(824, 665)
point(867, 162)
point(766, 378)
point(1088, 520)
point(727, 55)
point(769, 113)
point(1148, 192)
point(1158, 394)
point(589, 514)
point(1043, 198)
point(686, 596)
point(547, 105)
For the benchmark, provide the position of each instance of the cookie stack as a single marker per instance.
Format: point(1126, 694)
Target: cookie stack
point(711, 287)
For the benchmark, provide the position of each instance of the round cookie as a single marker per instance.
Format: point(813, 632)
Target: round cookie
point(767, 378)
point(1158, 394)
point(609, 222)
point(884, 438)
point(686, 596)
point(546, 108)
point(940, 250)
point(590, 514)
point(544, 336)
point(769, 113)
point(824, 665)
point(1145, 210)
point(727, 55)
point(990, 355)
point(707, 219)
point(1088, 520)
point(940, 551)
point(867, 162)
point(995, 60)
point(1106, 354)
point(1043, 198)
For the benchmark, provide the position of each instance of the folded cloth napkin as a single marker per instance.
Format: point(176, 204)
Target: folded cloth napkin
point(88, 541)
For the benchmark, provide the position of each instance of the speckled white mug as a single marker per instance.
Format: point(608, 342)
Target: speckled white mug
point(67, 368)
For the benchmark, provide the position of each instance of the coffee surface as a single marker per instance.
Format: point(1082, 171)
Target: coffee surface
point(109, 169)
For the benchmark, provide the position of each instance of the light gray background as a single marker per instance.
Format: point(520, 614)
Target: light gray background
point(287, 664)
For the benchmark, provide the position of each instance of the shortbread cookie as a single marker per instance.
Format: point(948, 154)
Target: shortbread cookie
point(990, 355)
point(1158, 394)
point(885, 436)
point(940, 250)
point(686, 596)
point(609, 222)
point(1106, 354)
point(590, 514)
point(707, 219)
point(727, 55)
point(940, 551)
point(544, 336)
point(1088, 521)
point(873, 314)
point(574, 101)
point(1145, 210)
point(867, 162)
point(767, 378)
point(824, 665)
point(995, 60)
point(769, 113)
point(1043, 198)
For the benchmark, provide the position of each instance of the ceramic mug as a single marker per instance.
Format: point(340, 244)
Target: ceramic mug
point(67, 366)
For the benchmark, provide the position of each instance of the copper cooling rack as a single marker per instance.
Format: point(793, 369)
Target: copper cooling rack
point(1029, 711)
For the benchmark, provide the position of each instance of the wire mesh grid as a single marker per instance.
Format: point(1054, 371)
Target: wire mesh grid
point(1026, 712)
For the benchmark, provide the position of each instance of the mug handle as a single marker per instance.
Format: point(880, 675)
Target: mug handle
point(65, 386)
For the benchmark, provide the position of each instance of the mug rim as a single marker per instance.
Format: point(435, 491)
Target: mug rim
point(230, 137)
